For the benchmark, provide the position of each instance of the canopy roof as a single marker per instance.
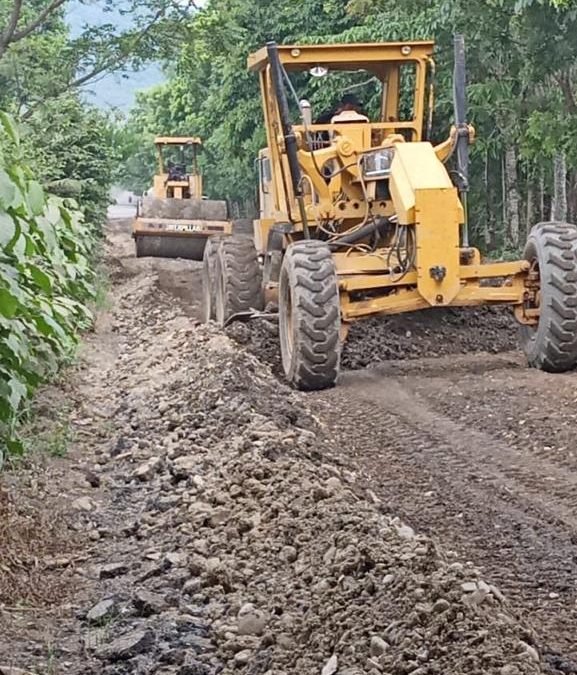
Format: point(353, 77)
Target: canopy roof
point(355, 56)
point(177, 140)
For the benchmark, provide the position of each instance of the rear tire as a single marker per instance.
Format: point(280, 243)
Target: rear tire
point(209, 278)
point(552, 344)
point(309, 316)
point(238, 278)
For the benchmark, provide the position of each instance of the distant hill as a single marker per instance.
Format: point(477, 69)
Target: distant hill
point(118, 90)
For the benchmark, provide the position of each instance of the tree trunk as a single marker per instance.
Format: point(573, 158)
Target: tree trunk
point(559, 206)
point(572, 197)
point(512, 198)
point(541, 196)
point(530, 221)
point(489, 224)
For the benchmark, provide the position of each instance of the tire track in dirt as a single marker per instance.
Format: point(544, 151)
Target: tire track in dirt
point(509, 508)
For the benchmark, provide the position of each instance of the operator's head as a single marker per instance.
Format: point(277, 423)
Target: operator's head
point(349, 102)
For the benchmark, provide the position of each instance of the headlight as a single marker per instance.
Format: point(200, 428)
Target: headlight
point(377, 163)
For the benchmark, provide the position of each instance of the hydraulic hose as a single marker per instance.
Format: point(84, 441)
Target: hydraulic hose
point(378, 226)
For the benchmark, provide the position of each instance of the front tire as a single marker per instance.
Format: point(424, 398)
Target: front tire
point(238, 277)
point(552, 344)
point(309, 316)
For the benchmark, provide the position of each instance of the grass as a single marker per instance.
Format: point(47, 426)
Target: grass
point(103, 284)
point(47, 430)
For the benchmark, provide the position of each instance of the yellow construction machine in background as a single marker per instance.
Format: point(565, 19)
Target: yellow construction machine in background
point(175, 221)
point(365, 217)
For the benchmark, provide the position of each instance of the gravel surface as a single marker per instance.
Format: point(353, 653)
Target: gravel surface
point(223, 529)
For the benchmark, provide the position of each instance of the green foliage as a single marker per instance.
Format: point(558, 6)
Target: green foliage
point(45, 283)
point(70, 141)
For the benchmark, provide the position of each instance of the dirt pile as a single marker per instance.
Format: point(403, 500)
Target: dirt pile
point(429, 333)
point(218, 540)
point(434, 332)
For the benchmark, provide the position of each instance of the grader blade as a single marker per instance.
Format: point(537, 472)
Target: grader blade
point(245, 317)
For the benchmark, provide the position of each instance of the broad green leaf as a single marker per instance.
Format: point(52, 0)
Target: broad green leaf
point(41, 278)
point(7, 229)
point(8, 303)
point(36, 199)
point(18, 248)
point(9, 126)
point(7, 190)
point(18, 392)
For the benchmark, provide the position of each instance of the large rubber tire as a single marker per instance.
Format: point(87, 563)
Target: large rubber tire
point(238, 277)
point(209, 278)
point(552, 344)
point(309, 316)
point(188, 248)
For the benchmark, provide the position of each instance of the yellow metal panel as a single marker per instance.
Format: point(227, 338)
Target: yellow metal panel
point(410, 300)
point(415, 167)
point(404, 300)
point(437, 236)
point(262, 227)
point(496, 269)
point(177, 140)
point(482, 295)
point(362, 55)
point(159, 186)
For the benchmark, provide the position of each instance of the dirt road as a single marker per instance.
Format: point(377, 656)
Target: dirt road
point(480, 453)
point(419, 518)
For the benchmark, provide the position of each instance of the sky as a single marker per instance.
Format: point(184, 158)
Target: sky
point(116, 90)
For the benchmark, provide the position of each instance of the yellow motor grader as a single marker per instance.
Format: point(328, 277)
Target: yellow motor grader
point(175, 221)
point(365, 217)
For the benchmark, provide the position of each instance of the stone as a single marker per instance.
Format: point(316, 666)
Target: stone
point(289, 553)
point(220, 516)
point(250, 620)
point(331, 666)
point(405, 531)
point(185, 466)
point(378, 646)
point(333, 485)
point(441, 605)
point(147, 603)
point(530, 650)
point(126, 646)
point(102, 611)
point(112, 570)
point(84, 504)
point(148, 469)
point(469, 586)
point(509, 669)
point(176, 559)
point(242, 658)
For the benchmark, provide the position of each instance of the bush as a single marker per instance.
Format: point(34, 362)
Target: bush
point(45, 282)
